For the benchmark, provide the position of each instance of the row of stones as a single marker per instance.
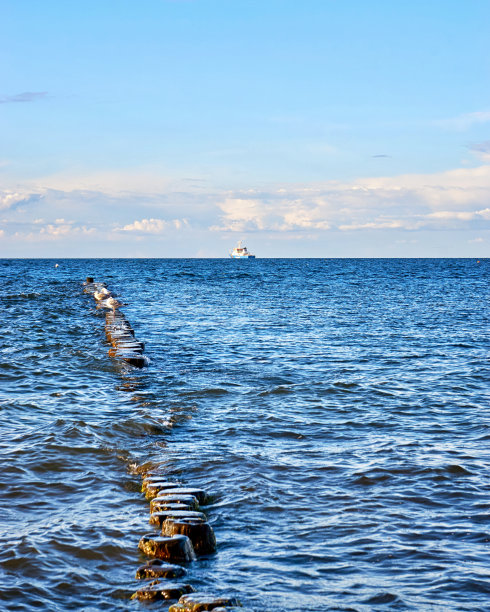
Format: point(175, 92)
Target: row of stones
point(184, 532)
point(119, 333)
point(184, 535)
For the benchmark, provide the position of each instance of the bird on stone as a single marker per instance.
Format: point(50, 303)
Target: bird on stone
point(102, 294)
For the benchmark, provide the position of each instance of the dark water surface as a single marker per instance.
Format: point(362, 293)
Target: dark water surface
point(338, 411)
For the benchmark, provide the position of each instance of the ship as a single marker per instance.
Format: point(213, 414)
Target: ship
point(241, 252)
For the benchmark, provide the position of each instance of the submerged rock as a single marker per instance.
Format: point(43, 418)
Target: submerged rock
point(156, 568)
point(200, 602)
point(176, 548)
point(200, 533)
point(157, 591)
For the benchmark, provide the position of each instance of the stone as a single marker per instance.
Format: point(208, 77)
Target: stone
point(157, 591)
point(199, 532)
point(177, 507)
point(149, 480)
point(113, 352)
point(176, 548)
point(187, 500)
point(158, 518)
point(199, 494)
point(134, 359)
point(152, 489)
point(156, 568)
point(200, 602)
point(118, 337)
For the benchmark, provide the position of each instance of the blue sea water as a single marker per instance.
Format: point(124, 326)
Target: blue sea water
point(337, 411)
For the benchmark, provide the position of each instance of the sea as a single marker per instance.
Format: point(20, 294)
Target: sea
point(336, 411)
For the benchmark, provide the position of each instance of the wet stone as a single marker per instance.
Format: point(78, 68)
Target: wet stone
point(200, 533)
point(119, 337)
point(176, 548)
point(156, 568)
point(188, 500)
point(134, 345)
point(177, 507)
point(200, 602)
point(158, 518)
point(126, 346)
point(138, 361)
point(201, 496)
point(150, 480)
point(152, 488)
point(158, 591)
point(115, 351)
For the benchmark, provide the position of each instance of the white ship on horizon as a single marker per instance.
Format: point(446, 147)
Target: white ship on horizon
point(241, 252)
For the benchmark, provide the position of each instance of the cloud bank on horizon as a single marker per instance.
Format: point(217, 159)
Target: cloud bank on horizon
point(288, 127)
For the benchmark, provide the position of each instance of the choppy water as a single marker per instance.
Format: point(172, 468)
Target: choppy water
point(338, 411)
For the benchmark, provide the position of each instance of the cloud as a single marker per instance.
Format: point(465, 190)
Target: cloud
point(465, 121)
point(13, 199)
point(457, 199)
point(406, 202)
point(482, 149)
point(153, 226)
point(462, 215)
point(27, 96)
point(381, 155)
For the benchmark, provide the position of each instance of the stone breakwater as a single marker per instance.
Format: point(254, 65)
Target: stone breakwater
point(119, 332)
point(184, 533)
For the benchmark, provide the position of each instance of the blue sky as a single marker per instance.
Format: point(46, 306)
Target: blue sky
point(174, 128)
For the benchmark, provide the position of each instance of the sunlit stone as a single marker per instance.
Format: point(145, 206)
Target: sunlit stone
point(158, 591)
point(156, 568)
point(157, 503)
point(158, 518)
point(176, 548)
point(200, 533)
point(200, 602)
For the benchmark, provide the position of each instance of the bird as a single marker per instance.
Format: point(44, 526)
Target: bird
point(111, 303)
point(102, 294)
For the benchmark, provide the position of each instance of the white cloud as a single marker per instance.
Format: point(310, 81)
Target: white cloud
point(153, 226)
point(374, 225)
point(9, 199)
point(455, 199)
point(407, 202)
point(461, 215)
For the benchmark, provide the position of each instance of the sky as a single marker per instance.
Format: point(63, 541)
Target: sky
point(175, 128)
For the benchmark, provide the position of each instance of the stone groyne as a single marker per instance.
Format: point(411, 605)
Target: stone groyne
point(176, 510)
